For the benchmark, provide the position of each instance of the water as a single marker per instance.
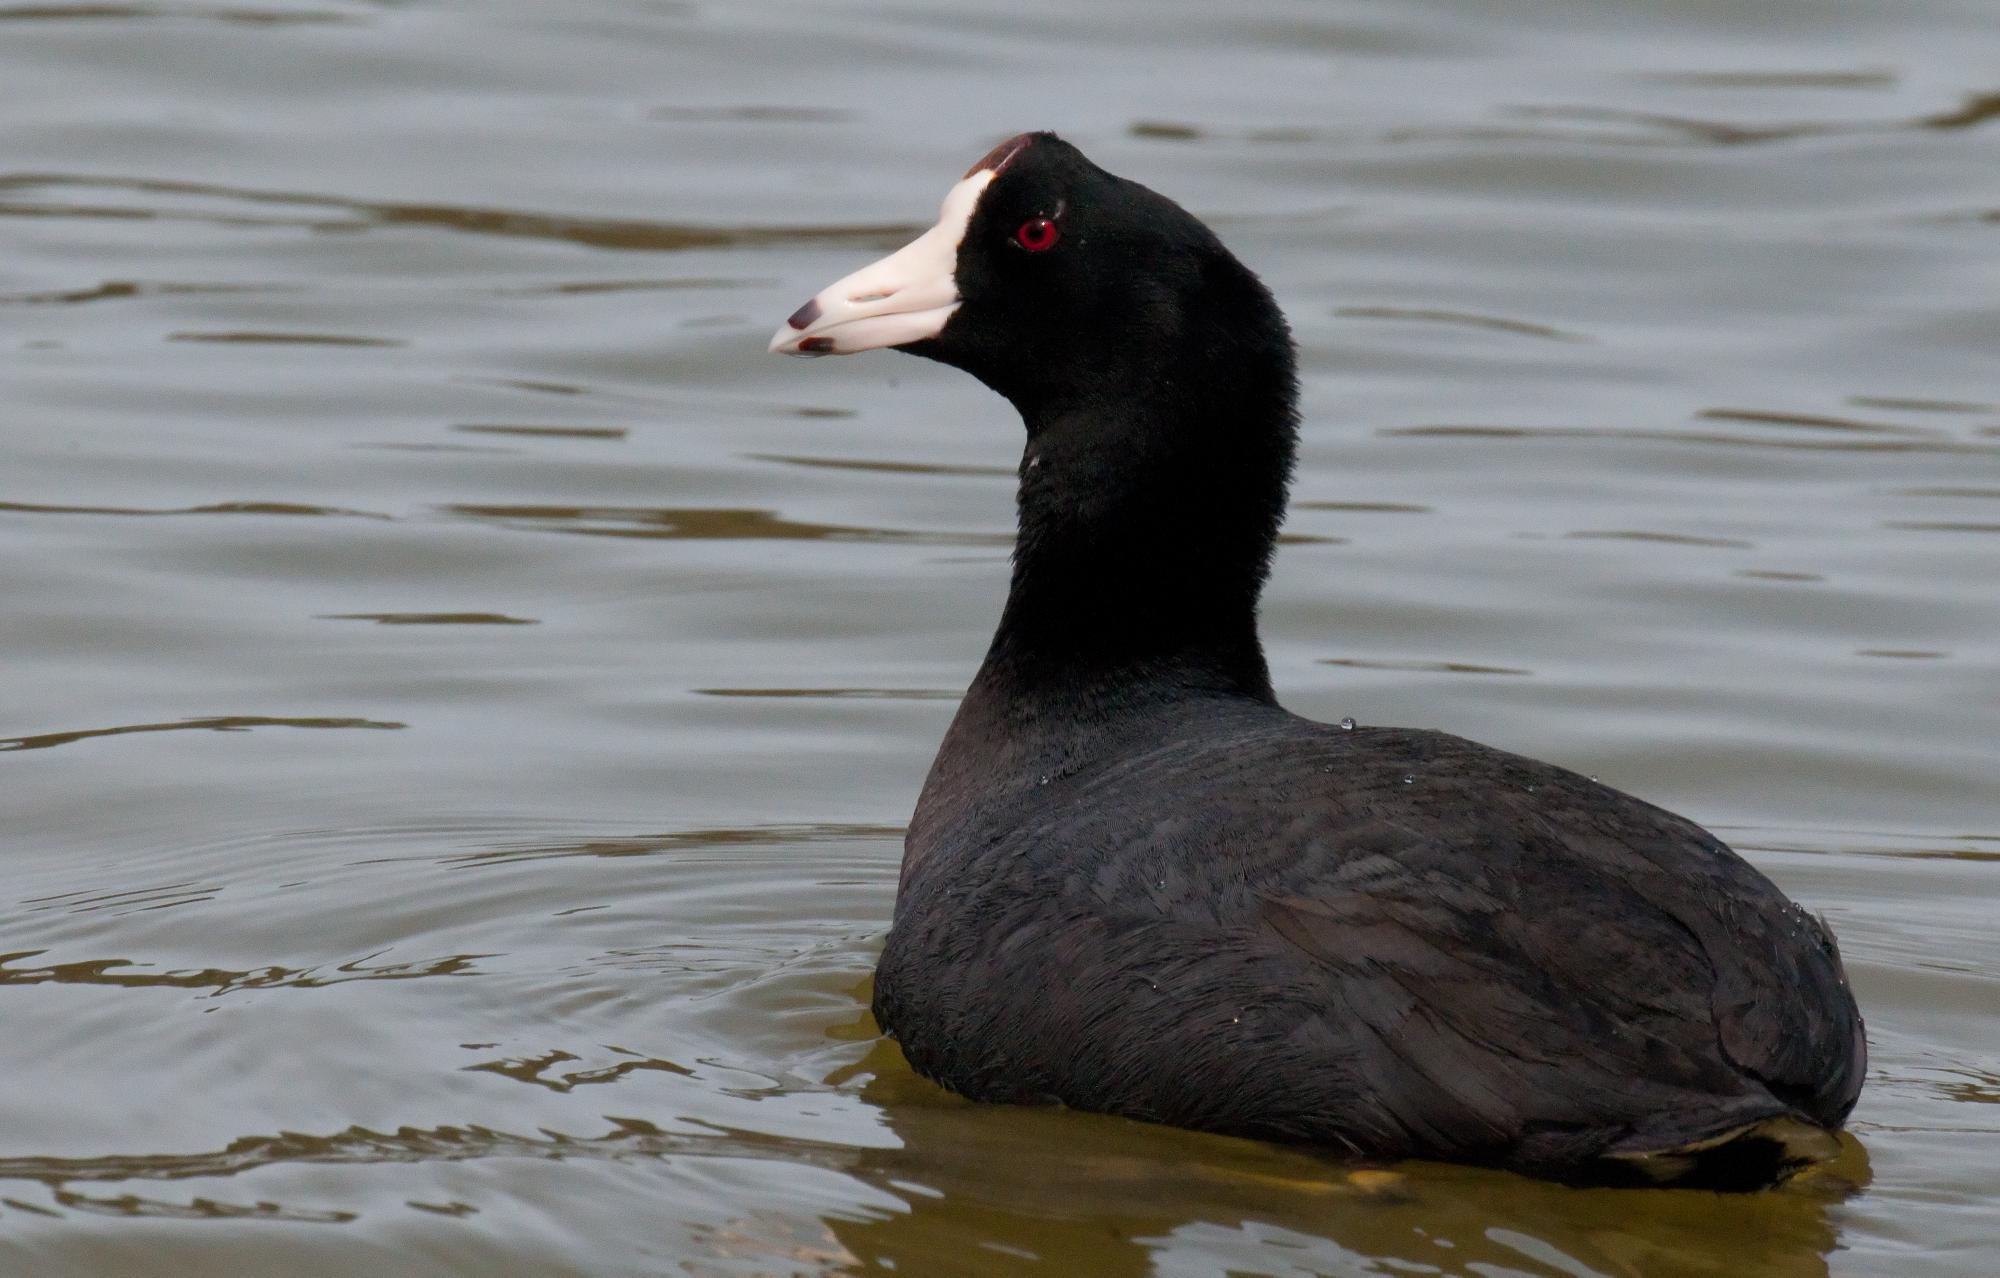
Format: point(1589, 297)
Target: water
point(462, 696)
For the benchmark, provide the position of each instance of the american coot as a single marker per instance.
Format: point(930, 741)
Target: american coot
point(1136, 884)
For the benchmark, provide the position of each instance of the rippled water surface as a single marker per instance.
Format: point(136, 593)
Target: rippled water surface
point(461, 696)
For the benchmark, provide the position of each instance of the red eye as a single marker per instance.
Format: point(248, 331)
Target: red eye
point(1038, 235)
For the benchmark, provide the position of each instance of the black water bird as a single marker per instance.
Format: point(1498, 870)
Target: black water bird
point(1136, 884)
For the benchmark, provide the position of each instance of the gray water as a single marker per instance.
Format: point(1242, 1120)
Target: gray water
point(463, 696)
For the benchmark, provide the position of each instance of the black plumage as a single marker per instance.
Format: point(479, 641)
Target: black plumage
point(1136, 884)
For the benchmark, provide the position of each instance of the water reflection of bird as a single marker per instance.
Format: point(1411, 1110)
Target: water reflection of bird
point(988, 1188)
point(1136, 884)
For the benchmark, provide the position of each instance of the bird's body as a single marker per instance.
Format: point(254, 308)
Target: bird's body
point(1391, 942)
point(1135, 884)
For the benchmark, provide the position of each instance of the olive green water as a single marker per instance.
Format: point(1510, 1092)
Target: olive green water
point(462, 695)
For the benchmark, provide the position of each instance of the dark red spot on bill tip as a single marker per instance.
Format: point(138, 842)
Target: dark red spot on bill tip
point(805, 315)
point(1003, 155)
point(816, 346)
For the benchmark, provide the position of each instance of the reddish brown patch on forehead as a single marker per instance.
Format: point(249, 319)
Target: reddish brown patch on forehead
point(1003, 155)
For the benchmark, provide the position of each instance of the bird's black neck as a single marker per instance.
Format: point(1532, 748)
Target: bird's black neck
point(1145, 534)
point(1148, 512)
point(1151, 490)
